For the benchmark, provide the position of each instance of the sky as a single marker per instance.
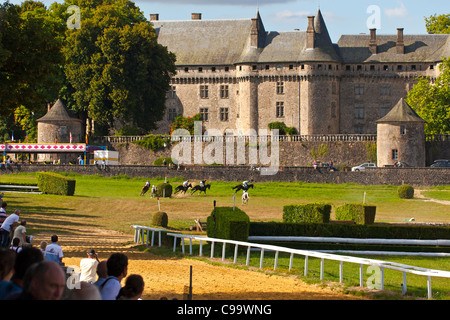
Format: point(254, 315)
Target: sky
point(341, 17)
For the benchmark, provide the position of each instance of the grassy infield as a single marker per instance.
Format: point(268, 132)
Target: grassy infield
point(114, 203)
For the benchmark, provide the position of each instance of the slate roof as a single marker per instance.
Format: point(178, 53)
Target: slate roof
point(227, 42)
point(58, 112)
point(401, 112)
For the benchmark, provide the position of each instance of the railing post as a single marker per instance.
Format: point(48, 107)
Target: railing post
point(261, 258)
point(201, 248)
point(430, 295)
point(223, 251)
point(361, 281)
point(212, 249)
point(174, 243)
point(322, 263)
point(306, 266)
point(247, 261)
point(276, 261)
point(235, 253)
point(341, 271)
point(291, 261)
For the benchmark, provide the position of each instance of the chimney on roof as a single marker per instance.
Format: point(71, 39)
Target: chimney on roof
point(310, 33)
point(196, 16)
point(373, 41)
point(154, 17)
point(400, 43)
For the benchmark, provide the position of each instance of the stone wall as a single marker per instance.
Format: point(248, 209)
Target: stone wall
point(379, 176)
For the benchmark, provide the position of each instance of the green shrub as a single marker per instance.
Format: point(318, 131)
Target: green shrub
point(159, 161)
point(53, 183)
point(308, 213)
point(224, 223)
point(153, 142)
point(160, 219)
point(282, 128)
point(405, 191)
point(164, 190)
point(359, 213)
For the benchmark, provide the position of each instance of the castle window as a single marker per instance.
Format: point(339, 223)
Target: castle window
point(280, 87)
point(402, 130)
point(359, 129)
point(319, 67)
point(394, 154)
point(204, 114)
point(280, 110)
point(385, 108)
point(333, 109)
point(224, 91)
point(359, 111)
point(386, 68)
point(227, 69)
point(359, 68)
point(204, 92)
point(372, 68)
point(291, 67)
point(254, 67)
point(172, 114)
point(303, 67)
point(213, 69)
point(200, 69)
point(413, 67)
point(267, 67)
point(385, 89)
point(399, 68)
point(431, 67)
point(186, 69)
point(330, 67)
point(223, 114)
point(347, 68)
point(359, 89)
point(172, 92)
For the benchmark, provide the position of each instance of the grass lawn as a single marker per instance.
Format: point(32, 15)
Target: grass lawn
point(115, 204)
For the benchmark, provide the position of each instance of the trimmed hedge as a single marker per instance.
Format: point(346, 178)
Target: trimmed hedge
point(53, 183)
point(310, 213)
point(164, 190)
point(357, 212)
point(384, 231)
point(160, 219)
point(405, 191)
point(224, 223)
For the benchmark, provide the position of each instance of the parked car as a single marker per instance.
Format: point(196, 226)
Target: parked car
point(440, 164)
point(364, 166)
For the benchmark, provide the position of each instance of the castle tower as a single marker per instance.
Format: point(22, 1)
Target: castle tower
point(58, 125)
point(319, 110)
point(401, 137)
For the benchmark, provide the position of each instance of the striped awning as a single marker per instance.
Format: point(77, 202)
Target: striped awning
point(42, 147)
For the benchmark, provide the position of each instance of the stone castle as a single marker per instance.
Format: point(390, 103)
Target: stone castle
point(237, 75)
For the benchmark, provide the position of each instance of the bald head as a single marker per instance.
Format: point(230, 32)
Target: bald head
point(46, 281)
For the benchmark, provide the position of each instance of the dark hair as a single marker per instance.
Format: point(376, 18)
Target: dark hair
point(4, 204)
point(134, 285)
point(116, 264)
point(7, 259)
point(25, 258)
point(54, 238)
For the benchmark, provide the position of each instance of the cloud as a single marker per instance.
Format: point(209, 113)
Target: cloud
point(252, 3)
point(288, 15)
point(397, 12)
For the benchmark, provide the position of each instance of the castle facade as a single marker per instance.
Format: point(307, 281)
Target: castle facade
point(237, 75)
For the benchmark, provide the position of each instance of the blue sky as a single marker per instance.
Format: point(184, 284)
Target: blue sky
point(341, 17)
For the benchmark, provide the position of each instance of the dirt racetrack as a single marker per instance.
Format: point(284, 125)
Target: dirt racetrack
point(167, 277)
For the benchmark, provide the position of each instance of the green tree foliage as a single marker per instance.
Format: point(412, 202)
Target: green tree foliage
point(30, 56)
point(187, 123)
point(117, 69)
point(438, 24)
point(431, 100)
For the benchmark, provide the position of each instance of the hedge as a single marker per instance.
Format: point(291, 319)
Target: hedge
point(311, 213)
point(357, 212)
point(53, 183)
point(160, 219)
point(405, 191)
point(384, 231)
point(224, 223)
point(164, 190)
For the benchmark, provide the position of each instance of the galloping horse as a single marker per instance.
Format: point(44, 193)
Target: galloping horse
point(182, 188)
point(144, 190)
point(200, 188)
point(241, 187)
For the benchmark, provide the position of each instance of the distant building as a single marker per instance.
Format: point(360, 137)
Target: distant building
point(237, 75)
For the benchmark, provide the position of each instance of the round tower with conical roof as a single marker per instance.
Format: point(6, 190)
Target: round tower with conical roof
point(401, 137)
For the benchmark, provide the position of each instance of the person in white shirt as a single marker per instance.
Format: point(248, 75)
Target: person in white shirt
point(88, 267)
point(53, 251)
point(5, 230)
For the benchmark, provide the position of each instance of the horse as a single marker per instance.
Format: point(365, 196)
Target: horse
point(241, 187)
point(200, 188)
point(245, 197)
point(144, 190)
point(182, 188)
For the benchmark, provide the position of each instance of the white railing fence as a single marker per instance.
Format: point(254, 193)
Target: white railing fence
point(314, 254)
point(139, 234)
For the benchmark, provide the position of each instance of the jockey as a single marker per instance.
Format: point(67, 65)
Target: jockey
point(147, 184)
point(185, 183)
point(202, 183)
point(245, 183)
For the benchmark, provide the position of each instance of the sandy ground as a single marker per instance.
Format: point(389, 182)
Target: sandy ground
point(169, 277)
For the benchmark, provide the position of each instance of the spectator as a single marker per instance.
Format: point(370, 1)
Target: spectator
point(42, 247)
point(88, 267)
point(15, 246)
point(53, 251)
point(21, 233)
point(24, 259)
point(117, 265)
point(3, 212)
point(86, 291)
point(102, 273)
point(43, 281)
point(5, 231)
point(133, 289)
point(7, 259)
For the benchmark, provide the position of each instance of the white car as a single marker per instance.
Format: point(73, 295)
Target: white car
point(364, 166)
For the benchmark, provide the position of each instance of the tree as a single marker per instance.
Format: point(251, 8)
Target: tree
point(431, 101)
point(30, 56)
point(116, 67)
point(438, 24)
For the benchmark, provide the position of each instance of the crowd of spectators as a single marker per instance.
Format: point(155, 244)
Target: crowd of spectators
point(38, 273)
